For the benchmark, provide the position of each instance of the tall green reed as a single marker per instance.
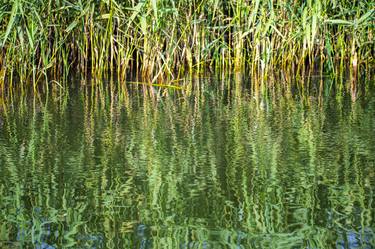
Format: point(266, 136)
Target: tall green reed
point(162, 40)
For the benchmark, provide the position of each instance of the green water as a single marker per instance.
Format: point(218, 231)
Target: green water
point(219, 168)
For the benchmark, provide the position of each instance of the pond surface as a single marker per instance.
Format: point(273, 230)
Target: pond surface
point(220, 168)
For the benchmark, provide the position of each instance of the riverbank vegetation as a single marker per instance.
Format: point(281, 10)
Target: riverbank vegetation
point(44, 42)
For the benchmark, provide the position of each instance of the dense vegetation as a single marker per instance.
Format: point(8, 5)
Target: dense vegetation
point(45, 40)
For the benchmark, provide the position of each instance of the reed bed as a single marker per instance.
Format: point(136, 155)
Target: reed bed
point(44, 42)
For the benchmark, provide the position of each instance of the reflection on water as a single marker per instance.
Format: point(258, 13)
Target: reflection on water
point(217, 169)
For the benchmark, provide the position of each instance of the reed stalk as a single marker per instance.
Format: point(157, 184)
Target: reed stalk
point(44, 40)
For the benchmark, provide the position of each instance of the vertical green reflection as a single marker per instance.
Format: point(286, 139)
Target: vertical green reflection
point(221, 168)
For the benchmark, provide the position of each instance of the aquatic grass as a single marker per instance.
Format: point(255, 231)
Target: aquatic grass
point(163, 40)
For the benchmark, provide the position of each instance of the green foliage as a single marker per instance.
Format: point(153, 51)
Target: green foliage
point(164, 39)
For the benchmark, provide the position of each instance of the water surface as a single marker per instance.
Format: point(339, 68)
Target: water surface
point(219, 168)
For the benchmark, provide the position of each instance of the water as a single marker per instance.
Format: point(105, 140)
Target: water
point(216, 169)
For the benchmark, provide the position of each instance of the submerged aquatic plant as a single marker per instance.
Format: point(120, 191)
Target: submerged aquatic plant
point(44, 41)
